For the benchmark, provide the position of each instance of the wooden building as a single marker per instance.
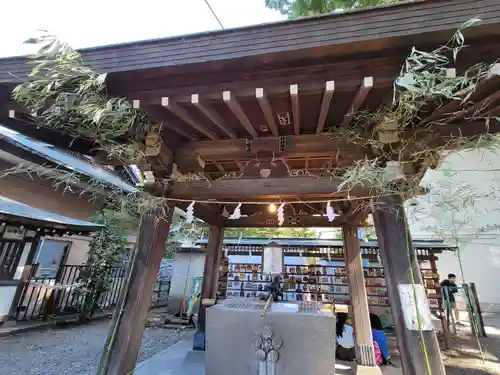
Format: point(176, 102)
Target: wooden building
point(21, 229)
point(251, 116)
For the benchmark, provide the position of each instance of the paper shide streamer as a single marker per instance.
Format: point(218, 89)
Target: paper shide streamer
point(330, 213)
point(190, 213)
point(236, 213)
point(281, 214)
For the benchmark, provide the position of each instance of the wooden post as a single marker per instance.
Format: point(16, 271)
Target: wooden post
point(124, 339)
point(480, 321)
point(365, 353)
point(419, 350)
point(210, 280)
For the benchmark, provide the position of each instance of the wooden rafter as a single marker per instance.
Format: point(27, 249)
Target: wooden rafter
point(219, 167)
point(454, 107)
point(179, 130)
point(184, 115)
point(160, 114)
point(358, 100)
point(235, 107)
point(325, 105)
point(474, 109)
point(266, 110)
point(212, 115)
point(294, 98)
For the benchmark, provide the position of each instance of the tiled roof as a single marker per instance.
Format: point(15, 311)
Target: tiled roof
point(63, 158)
point(434, 244)
point(16, 211)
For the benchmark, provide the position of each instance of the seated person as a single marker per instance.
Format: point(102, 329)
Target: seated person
point(274, 288)
point(380, 338)
point(345, 339)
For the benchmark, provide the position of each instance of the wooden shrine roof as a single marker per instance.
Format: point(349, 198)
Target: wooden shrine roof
point(240, 99)
point(436, 245)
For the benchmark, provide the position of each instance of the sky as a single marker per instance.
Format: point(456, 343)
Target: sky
point(91, 23)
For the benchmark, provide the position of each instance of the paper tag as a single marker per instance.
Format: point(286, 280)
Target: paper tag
point(415, 307)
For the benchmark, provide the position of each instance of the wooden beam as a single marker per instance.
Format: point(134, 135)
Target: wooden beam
point(365, 353)
point(474, 109)
point(325, 105)
point(294, 98)
point(210, 280)
point(238, 189)
point(158, 113)
point(307, 145)
point(358, 100)
point(400, 263)
point(266, 110)
point(291, 221)
point(124, 339)
point(184, 115)
point(453, 107)
point(235, 107)
point(212, 115)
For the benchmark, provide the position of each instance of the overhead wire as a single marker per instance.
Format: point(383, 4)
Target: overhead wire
point(214, 14)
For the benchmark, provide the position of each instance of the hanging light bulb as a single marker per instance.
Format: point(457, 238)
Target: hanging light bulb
point(271, 208)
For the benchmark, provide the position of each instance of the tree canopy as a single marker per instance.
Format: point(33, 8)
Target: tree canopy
point(299, 8)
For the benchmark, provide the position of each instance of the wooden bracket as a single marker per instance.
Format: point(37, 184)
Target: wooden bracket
point(158, 155)
point(387, 131)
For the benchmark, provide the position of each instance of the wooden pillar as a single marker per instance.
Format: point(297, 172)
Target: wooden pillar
point(419, 348)
point(210, 280)
point(365, 353)
point(124, 339)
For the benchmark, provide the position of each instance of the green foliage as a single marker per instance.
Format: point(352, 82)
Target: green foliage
point(107, 248)
point(299, 8)
point(61, 93)
point(271, 232)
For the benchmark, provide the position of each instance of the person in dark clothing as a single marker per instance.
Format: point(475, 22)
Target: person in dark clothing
point(274, 288)
point(450, 288)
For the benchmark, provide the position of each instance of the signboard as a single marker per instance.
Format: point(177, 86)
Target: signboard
point(273, 259)
point(415, 307)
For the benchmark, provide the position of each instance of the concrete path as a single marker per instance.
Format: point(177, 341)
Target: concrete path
point(179, 359)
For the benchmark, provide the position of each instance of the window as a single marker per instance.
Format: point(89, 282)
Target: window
point(51, 254)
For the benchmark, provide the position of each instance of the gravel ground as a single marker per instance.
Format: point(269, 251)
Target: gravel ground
point(70, 350)
point(466, 359)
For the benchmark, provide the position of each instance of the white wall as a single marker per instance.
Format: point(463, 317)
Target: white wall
point(7, 293)
point(6, 296)
point(463, 208)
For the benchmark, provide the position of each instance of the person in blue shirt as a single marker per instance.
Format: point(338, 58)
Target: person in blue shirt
point(380, 337)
